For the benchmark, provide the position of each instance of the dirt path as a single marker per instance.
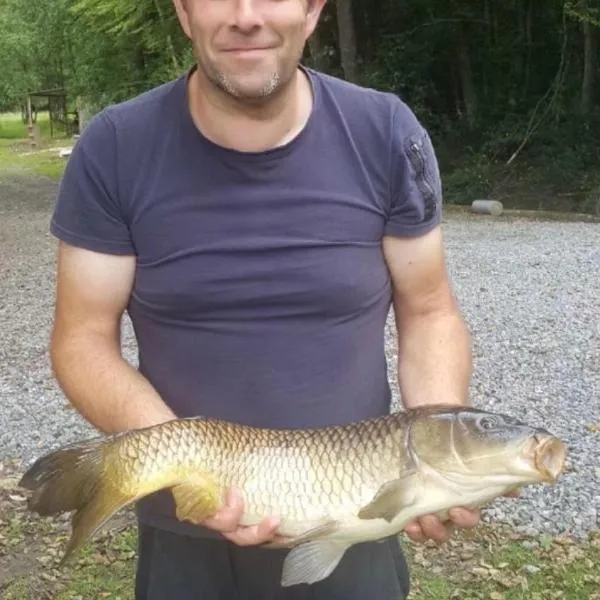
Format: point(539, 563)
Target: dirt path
point(25, 192)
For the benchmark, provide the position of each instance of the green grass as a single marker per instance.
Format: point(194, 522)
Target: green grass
point(493, 570)
point(17, 159)
point(13, 128)
point(17, 155)
point(483, 568)
point(104, 575)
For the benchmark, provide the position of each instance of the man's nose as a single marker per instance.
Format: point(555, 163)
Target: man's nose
point(247, 15)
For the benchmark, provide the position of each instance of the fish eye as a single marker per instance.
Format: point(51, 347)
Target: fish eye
point(487, 422)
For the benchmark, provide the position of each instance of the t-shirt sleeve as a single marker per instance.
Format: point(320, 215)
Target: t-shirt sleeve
point(416, 189)
point(89, 212)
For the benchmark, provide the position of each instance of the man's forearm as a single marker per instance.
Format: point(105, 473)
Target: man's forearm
point(103, 387)
point(434, 359)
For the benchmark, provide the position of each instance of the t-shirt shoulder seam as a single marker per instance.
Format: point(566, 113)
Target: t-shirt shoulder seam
point(152, 96)
point(342, 85)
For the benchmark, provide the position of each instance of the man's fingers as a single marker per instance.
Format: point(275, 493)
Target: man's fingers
point(228, 517)
point(463, 517)
point(433, 528)
point(255, 534)
point(414, 532)
point(227, 521)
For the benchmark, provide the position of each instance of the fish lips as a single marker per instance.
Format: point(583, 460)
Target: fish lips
point(549, 455)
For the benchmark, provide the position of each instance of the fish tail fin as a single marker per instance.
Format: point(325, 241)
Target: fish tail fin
point(90, 517)
point(74, 479)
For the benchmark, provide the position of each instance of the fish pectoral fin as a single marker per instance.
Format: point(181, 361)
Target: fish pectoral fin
point(312, 561)
point(308, 536)
point(196, 501)
point(391, 498)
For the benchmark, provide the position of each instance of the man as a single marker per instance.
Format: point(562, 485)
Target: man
point(256, 219)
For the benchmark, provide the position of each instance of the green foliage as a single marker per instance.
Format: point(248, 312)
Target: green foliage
point(472, 181)
point(582, 11)
point(500, 85)
point(34, 48)
point(136, 45)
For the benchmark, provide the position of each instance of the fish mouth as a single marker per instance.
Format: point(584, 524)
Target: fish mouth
point(549, 457)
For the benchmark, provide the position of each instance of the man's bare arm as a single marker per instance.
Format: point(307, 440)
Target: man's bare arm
point(434, 344)
point(92, 293)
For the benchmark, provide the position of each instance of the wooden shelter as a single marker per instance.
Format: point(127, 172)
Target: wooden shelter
point(55, 102)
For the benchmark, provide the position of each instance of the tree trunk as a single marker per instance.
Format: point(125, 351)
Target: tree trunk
point(529, 44)
point(347, 39)
point(589, 67)
point(468, 91)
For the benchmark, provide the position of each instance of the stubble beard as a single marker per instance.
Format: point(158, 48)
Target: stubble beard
point(275, 83)
point(228, 86)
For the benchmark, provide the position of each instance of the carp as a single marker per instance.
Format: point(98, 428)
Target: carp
point(331, 487)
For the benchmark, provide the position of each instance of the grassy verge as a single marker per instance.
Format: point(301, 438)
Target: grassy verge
point(489, 564)
point(497, 565)
point(18, 157)
point(13, 128)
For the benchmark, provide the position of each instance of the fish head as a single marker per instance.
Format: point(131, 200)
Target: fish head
point(470, 445)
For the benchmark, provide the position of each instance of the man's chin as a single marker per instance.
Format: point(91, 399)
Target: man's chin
point(251, 87)
point(252, 91)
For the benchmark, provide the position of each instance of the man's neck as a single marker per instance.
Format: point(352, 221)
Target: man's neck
point(250, 127)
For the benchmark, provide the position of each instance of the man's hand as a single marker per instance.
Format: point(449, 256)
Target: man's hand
point(227, 521)
point(432, 527)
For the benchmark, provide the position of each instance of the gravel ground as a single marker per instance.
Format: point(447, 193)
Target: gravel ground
point(530, 292)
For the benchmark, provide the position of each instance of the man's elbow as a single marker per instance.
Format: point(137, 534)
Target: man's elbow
point(434, 305)
point(69, 344)
point(63, 346)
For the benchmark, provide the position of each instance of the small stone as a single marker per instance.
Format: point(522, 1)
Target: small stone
point(531, 569)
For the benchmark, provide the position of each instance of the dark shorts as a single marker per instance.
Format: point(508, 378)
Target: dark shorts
point(179, 567)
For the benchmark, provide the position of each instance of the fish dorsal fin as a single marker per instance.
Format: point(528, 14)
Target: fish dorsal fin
point(312, 561)
point(391, 498)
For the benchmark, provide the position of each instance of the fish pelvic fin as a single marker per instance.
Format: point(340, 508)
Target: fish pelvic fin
point(73, 479)
point(391, 498)
point(196, 500)
point(312, 562)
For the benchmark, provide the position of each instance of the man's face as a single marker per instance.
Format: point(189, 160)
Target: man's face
point(248, 48)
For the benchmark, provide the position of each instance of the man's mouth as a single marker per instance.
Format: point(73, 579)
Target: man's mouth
point(249, 49)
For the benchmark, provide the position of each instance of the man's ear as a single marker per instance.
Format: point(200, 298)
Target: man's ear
point(181, 9)
point(314, 8)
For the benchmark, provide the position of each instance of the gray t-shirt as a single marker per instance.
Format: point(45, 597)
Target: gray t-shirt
point(261, 292)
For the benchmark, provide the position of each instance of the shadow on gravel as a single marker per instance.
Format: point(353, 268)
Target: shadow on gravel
point(25, 192)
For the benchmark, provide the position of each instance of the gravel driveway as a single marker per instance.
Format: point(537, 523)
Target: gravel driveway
point(530, 292)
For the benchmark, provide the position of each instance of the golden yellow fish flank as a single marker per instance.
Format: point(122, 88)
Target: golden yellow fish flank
point(331, 487)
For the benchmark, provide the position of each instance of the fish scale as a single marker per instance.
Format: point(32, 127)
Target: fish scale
point(305, 469)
